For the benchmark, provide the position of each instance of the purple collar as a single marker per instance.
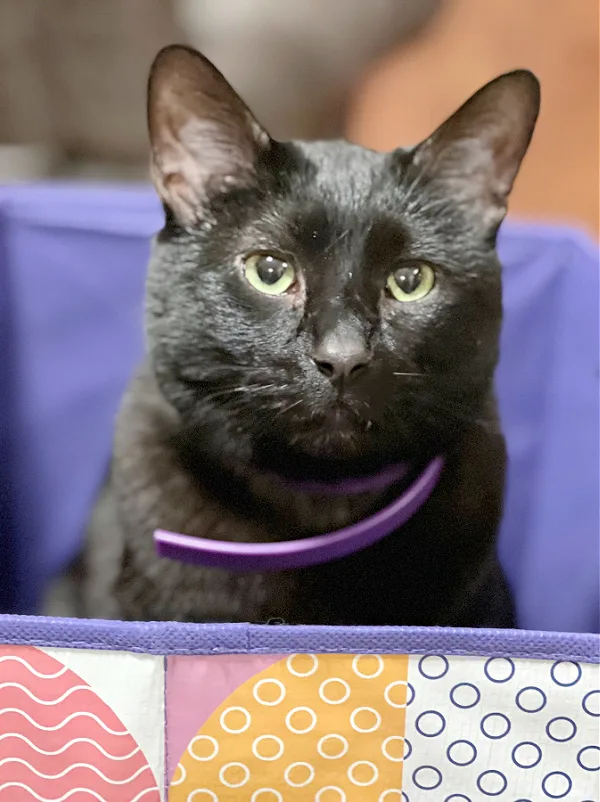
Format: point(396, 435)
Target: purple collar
point(352, 487)
point(288, 554)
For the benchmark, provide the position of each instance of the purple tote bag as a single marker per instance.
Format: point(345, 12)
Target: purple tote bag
point(72, 266)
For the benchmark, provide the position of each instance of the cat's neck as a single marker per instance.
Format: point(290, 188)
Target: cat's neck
point(284, 505)
point(164, 485)
point(313, 511)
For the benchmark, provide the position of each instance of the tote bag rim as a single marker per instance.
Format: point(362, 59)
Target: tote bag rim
point(174, 638)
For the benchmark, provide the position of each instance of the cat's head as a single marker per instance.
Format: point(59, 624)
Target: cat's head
point(320, 304)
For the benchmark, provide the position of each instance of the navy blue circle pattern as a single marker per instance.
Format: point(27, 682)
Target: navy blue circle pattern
point(561, 729)
point(433, 666)
point(462, 753)
point(495, 726)
point(499, 727)
point(492, 782)
point(427, 778)
point(566, 673)
point(430, 724)
point(465, 695)
point(531, 699)
point(526, 755)
point(557, 785)
point(499, 669)
point(591, 703)
point(589, 758)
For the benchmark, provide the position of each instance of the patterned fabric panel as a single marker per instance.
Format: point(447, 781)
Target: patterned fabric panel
point(326, 727)
point(514, 729)
point(344, 728)
point(78, 725)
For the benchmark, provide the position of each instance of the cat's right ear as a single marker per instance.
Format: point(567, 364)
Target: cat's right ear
point(477, 152)
point(204, 140)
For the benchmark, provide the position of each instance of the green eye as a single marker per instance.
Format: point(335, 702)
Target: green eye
point(269, 274)
point(411, 283)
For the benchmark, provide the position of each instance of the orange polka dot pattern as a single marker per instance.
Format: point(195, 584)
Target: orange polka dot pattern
point(329, 728)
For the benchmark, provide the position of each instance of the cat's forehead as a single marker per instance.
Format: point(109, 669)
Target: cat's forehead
point(338, 187)
point(379, 202)
point(341, 170)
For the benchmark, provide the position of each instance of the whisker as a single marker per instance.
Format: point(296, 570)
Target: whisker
point(250, 389)
point(287, 409)
point(402, 373)
point(239, 368)
point(204, 376)
point(437, 205)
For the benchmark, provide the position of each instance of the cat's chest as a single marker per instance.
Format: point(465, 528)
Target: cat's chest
point(412, 576)
point(150, 587)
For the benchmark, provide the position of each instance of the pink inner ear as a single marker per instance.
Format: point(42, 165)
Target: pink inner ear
point(177, 191)
point(204, 138)
point(202, 157)
point(174, 190)
point(479, 149)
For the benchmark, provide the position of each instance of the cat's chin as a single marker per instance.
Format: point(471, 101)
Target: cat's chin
point(337, 434)
point(329, 446)
point(325, 452)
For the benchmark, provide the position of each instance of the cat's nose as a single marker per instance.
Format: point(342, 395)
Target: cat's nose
point(341, 356)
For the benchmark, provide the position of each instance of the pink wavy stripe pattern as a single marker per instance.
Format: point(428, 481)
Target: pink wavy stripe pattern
point(59, 740)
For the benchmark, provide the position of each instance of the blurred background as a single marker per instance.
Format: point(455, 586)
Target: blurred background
point(384, 73)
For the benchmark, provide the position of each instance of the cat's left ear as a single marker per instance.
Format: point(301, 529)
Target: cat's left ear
point(477, 152)
point(204, 140)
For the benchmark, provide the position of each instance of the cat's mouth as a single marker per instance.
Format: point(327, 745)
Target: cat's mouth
point(343, 416)
point(338, 432)
point(341, 441)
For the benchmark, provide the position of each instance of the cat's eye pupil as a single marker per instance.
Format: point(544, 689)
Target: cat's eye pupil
point(409, 279)
point(269, 269)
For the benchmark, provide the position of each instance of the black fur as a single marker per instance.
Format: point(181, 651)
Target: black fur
point(230, 396)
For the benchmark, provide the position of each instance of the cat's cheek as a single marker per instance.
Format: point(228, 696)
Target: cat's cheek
point(402, 331)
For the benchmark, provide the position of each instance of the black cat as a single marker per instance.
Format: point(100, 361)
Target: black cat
point(314, 311)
